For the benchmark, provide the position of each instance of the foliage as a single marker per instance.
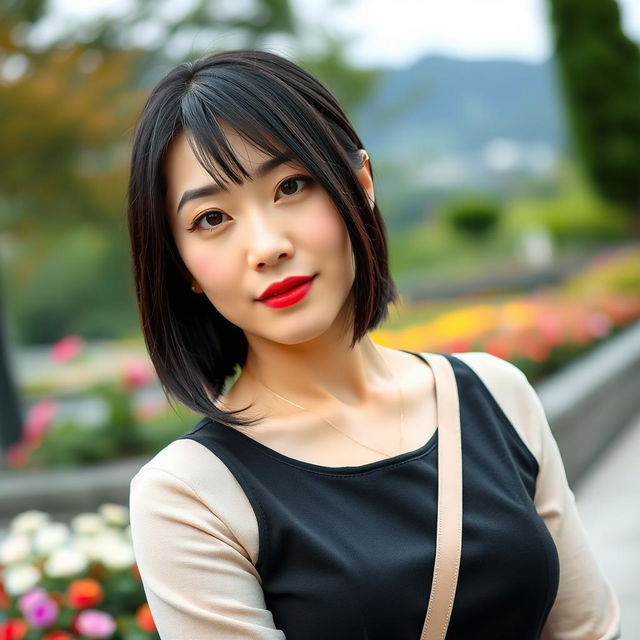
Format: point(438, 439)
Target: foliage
point(574, 218)
point(126, 430)
point(566, 206)
point(60, 582)
point(129, 425)
point(600, 71)
point(75, 282)
point(473, 215)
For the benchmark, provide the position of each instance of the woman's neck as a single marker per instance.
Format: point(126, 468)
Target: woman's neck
point(315, 374)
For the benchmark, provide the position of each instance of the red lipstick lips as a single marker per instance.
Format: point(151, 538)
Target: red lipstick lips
point(286, 292)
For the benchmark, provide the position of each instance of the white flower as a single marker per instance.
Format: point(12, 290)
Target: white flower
point(51, 536)
point(15, 548)
point(91, 546)
point(29, 521)
point(115, 552)
point(115, 514)
point(88, 523)
point(120, 557)
point(66, 562)
point(19, 578)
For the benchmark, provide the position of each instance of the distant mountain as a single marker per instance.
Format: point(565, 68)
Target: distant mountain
point(444, 125)
point(443, 105)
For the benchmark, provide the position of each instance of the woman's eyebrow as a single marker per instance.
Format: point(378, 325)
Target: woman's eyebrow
point(213, 189)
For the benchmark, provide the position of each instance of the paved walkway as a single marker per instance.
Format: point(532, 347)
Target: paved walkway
point(608, 500)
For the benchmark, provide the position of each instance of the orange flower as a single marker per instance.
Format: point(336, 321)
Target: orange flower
point(84, 593)
point(144, 618)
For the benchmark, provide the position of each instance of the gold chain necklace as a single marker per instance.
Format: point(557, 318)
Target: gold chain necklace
point(338, 428)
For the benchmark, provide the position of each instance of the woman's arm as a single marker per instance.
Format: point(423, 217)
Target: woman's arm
point(199, 578)
point(586, 607)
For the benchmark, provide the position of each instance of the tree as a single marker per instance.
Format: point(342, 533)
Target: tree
point(600, 73)
point(68, 109)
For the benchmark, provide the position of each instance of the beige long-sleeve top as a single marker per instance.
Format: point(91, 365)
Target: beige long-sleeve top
point(195, 534)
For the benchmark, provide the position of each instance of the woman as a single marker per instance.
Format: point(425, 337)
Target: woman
point(303, 504)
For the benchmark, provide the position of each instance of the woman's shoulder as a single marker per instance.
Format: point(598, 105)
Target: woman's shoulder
point(513, 393)
point(185, 476)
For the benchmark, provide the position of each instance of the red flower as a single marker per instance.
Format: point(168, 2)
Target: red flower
point(459, 345)
point(144, 618)
point(17, 457)
point(13, 629)
point(84, 593)
point(498, 347)
point(4, 599)
point(57, 635)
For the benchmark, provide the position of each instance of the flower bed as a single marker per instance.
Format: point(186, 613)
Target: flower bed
point(61, 582)
point(538, 332)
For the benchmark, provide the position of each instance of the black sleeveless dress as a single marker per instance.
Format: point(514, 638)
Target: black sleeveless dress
point(347, 553)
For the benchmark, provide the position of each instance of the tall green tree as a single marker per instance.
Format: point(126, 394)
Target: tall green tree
point(599, 68)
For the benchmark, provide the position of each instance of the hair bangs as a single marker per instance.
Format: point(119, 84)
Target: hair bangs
point(203, 120)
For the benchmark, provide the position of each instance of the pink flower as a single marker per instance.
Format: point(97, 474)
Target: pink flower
point(598, 324)
point(31, 598)
point(148, 409)
point(67, 348)
point(38, 420)
point(95, 624)
point(136, 374)
point(42, 612)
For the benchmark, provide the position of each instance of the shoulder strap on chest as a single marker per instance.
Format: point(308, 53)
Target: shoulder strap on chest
point(449, 528)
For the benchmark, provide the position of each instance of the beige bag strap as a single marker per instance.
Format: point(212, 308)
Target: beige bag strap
point(449, 528)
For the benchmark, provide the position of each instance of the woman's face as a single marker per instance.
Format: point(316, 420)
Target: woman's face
point(237, 242)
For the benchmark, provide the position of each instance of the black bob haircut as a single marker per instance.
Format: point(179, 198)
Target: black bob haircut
point(276, 106)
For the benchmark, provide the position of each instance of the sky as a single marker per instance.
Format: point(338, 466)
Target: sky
point(398, 32)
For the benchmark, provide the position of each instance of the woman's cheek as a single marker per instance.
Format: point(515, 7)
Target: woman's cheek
point(326, 227)
point(211, 273)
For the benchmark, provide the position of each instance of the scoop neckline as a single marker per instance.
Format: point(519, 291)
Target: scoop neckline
point(353, 469)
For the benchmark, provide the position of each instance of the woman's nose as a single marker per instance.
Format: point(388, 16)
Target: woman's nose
point(267, 243)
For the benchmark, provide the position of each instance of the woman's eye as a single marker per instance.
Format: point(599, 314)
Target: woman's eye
point(208, 220)
point(289, 186)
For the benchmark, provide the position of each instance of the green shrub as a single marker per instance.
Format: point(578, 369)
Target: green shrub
point(473, 215)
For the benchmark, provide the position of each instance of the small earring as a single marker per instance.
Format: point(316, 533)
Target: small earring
point(194, 288)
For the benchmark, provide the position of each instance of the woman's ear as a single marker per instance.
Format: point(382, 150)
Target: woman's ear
point(364, 175)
